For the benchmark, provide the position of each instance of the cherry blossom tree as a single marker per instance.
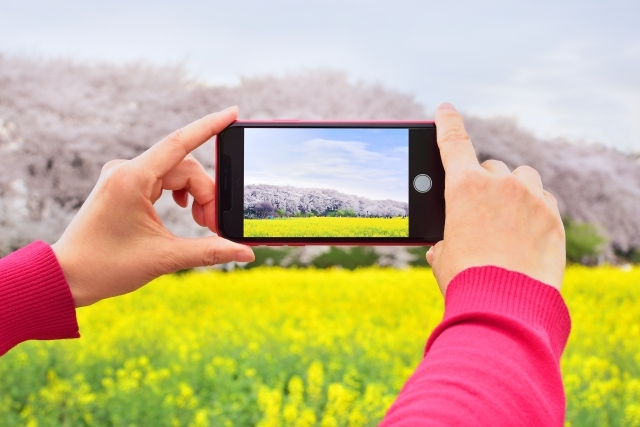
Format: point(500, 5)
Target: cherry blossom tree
point(319, 201)
point(61, 121)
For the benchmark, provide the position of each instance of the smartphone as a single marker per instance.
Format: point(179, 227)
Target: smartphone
point(329, 183)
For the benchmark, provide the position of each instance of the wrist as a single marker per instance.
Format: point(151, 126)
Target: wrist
point(503, 292)
point(71, 272)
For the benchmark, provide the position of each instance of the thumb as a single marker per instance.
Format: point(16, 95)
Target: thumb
point(434, 256)
point(206, 251)
point(432, 253)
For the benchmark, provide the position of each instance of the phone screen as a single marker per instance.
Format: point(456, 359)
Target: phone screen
point(326, 182)
point(335, 183)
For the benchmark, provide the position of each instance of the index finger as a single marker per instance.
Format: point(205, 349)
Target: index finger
point(168, 153)
point(455, 146)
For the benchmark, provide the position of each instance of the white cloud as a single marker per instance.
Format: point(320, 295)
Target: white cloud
point(346, 166)
point(563, 68)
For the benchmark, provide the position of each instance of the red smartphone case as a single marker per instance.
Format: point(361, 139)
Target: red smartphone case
point(329, 241)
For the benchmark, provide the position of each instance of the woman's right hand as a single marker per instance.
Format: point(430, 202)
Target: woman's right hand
point(493, 216)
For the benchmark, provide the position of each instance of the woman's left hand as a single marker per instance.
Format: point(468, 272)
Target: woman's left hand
point(117, 243)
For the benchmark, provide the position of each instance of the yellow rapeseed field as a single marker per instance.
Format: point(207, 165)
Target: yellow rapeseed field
point(298, 347)
point(327, 227)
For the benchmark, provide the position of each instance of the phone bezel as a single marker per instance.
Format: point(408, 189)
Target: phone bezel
point(437, 190)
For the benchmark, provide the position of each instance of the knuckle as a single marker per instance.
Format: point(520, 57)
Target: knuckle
point(176, 136)
point(190, 161)
point(550, 216)
point(557, 230)
point(493, 162)
point(467, 181)
point(469, 177)
point(116, 178)
point(541, 207)
point(110, 165)
point(513, 184)
point(176, 140)
point(212, 256)
point(527, 168)
point(551, 198)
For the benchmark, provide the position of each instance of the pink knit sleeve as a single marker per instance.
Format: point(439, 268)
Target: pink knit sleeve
point(35, 299)
point(494, 359)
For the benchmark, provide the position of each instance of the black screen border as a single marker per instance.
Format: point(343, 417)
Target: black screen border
point(423, 158)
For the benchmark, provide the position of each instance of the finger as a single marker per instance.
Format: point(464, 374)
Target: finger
point(181, 197)
point(455, 146)
point(434, 259)
point(168, 153)
point(197, 211)
point(431, 253)
point(210, 216)
point(430, 256)
point(112, 164)
point(156, 192)
point(550, 198)
point(530, 177)
point(206, 251)
point(496, 167)
point(190, 175)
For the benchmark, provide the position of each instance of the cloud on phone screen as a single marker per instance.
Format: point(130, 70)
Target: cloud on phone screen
point(370, 163)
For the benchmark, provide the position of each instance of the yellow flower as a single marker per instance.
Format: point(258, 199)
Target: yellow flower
point(295, 347)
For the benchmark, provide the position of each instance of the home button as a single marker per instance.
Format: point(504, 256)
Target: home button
point(422, 183)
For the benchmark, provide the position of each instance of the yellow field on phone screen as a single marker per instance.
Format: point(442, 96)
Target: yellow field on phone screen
point(327, 227)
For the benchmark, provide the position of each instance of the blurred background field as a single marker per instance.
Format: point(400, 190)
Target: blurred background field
point(294, 347)
point(61, 121)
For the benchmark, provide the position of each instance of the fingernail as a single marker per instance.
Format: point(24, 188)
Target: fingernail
point(244, 255)
point(229, 108)
point(447, 106)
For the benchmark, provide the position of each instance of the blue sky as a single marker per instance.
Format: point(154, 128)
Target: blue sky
point(562, 68)
point(370, 163)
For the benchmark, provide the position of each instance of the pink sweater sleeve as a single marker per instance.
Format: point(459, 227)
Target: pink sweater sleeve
point(494, 359)
point(35, 299)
